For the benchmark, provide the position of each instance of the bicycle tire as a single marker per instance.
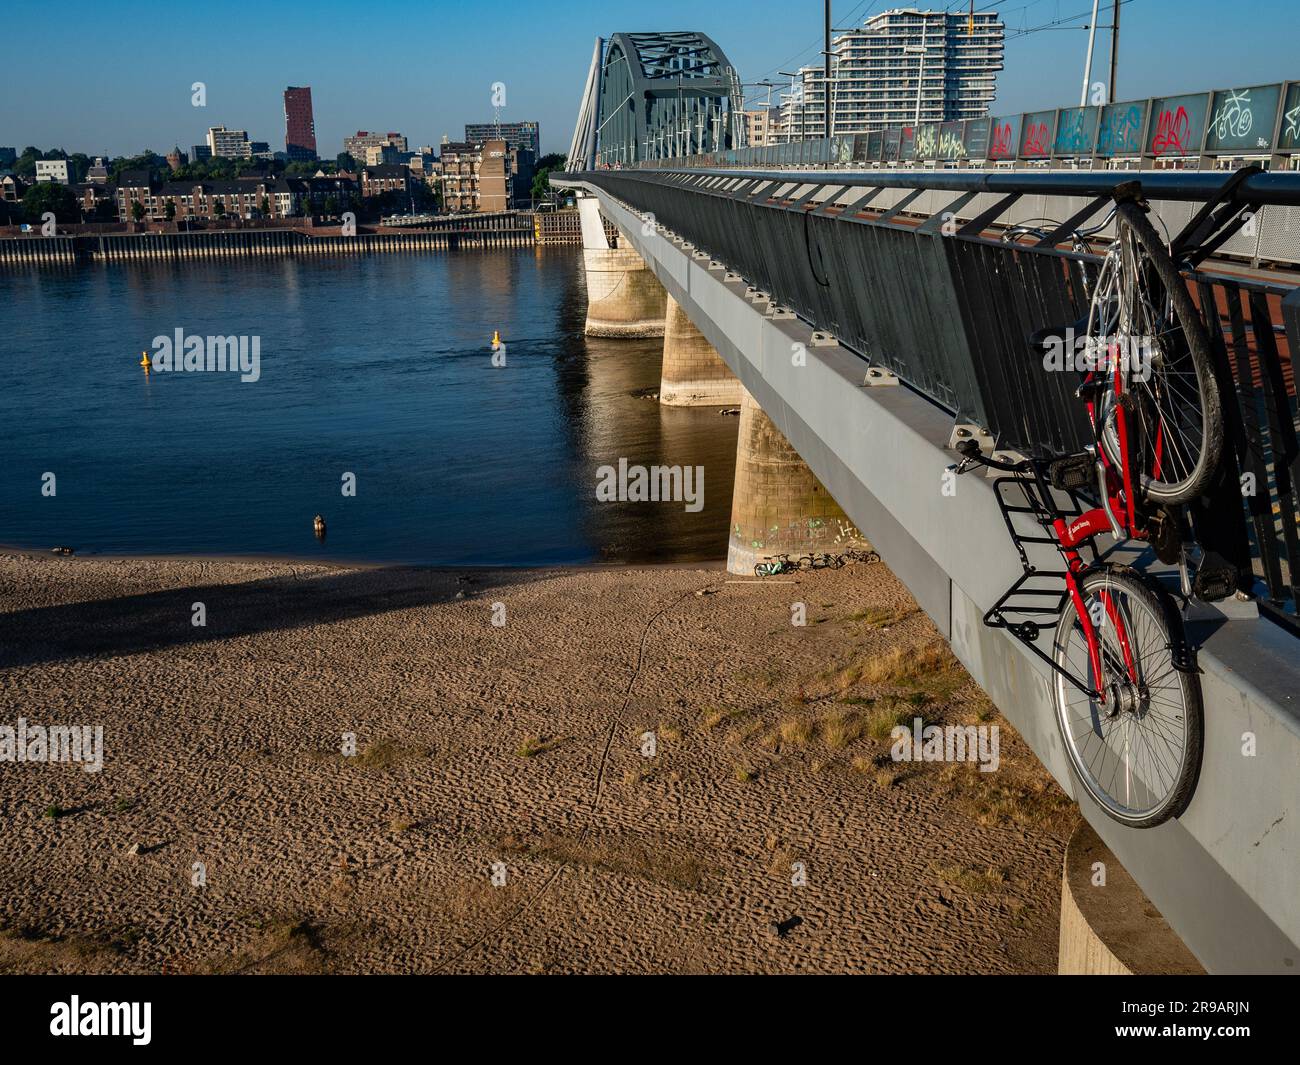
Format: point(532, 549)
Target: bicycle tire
point(1131, 594)
point(1197, 480)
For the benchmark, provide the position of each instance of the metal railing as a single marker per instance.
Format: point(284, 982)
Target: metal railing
point(922, 282)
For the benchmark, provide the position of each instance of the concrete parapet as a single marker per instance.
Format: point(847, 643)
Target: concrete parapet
point(694, 375)
point(778, 505)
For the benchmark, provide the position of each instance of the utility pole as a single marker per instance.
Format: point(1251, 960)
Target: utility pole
point(1114, 50)
point(827, 57)
point(1087, 63)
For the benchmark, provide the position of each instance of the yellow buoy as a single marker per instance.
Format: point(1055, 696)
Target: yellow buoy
point(144, 361)
point(496, 339)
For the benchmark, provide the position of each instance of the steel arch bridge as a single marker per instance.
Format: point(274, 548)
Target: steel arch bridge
point(656, 96)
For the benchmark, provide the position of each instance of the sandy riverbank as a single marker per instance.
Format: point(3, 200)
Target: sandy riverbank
point(515, 747)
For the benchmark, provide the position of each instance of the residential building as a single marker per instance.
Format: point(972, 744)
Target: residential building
point(382, 155)
point(485, 177)
point(900, 67)
point(8, 156)
point(356, 146)
point(90, 194)
point(760, 126)
point(53, 170)
point(525, 135)
point(229, 143)
point(377, 180)
point(261, 150)
point(426, 167)
point(299, 124)
point(329, 193)
point(199, 152)
point(97, 172)
point(12, 188)
point(246, 197)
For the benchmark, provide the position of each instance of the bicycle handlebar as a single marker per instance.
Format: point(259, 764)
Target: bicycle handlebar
point(970, 452)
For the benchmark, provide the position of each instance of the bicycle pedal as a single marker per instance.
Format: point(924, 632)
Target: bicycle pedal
point(1073, 472)
point(1214, 584)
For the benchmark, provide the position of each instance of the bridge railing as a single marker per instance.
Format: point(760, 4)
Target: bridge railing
point(1247, 122)
point(910, 271)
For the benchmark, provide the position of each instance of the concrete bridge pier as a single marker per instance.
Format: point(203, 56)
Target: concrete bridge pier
point(694, 374)
point(778, 505)
point(624, 298)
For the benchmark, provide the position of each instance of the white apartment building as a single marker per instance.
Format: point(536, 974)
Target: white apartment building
point(901, 67)
point(55, 170)
point(229, 143)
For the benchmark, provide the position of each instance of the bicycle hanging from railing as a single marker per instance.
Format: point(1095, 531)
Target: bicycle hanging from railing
point(1125, 682)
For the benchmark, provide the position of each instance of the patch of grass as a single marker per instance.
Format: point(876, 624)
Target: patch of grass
point(970, 879)
point(887, 715)
point(123, 806)
point(532, 746)
point(742, 774)
point(881, 617)
point(1014, 795)
point(795, 731)
point(839, 728)
point(670, 732)
point(54, 812)
point(383, 755)
point(399, 826)
point(716, 715)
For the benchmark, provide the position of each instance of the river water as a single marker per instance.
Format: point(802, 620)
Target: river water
point(379, 367)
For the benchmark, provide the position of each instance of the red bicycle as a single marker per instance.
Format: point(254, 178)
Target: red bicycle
point(1127, 697)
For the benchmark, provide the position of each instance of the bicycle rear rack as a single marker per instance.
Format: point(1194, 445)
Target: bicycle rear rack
point(1035, 600)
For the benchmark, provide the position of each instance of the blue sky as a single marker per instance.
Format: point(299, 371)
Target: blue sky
point(116, 77)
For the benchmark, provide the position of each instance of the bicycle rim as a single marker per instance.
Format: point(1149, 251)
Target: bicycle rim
point(1174, 422)
point(1138, 753)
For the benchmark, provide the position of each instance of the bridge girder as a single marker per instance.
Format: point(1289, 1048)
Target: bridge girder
point(664, 96)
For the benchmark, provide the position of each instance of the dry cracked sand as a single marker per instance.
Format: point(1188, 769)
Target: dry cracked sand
point(512, 749)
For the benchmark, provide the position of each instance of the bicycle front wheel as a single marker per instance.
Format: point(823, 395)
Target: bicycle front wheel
point(1175, 422)
point(1138, 751)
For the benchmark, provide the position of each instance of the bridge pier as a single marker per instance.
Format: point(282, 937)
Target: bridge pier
point(624, 298)
point(778, 506)
point(694, 374)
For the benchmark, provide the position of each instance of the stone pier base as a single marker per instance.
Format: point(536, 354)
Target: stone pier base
point(778, 505)
point(694, 374)
point(1112, 929)
point(624, 298)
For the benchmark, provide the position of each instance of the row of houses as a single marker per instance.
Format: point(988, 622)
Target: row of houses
point(252, 196)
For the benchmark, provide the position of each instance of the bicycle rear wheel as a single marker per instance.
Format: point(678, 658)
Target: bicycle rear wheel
point(1138, 754)
point(1175, 422)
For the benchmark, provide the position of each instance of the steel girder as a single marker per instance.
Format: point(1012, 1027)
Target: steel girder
point(665, 96)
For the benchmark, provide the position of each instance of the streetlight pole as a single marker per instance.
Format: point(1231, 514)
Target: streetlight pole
point(1087, 63)
point(827, 94)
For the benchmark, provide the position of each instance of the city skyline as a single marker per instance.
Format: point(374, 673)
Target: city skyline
point(542, 71)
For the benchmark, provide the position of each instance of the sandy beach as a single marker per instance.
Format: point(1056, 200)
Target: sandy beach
point(500, 813)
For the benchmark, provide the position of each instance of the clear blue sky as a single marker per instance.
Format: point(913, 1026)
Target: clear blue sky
point(115, 77)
